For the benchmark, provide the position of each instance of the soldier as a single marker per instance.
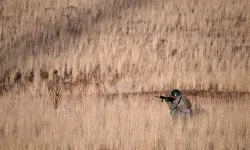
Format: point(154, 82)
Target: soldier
point(180, 106)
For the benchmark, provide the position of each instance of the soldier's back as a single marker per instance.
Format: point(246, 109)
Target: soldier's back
point(184, 103)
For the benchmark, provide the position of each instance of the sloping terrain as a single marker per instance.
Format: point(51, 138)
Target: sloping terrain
point(83, 74)
point(198, 44)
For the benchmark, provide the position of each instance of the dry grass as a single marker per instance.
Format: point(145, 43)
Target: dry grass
point(97, 48)
point(194, 44)
point(132, 122)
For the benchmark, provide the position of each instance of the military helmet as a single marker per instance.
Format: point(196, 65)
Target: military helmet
point(176, 92)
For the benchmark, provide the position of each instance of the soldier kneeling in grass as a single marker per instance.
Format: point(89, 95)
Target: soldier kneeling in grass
point(180, 106)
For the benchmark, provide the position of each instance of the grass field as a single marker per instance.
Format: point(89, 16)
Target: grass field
point(121, 122)
point(109, 58)
point(194, 44)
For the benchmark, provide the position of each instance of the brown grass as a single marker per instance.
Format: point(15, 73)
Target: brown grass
point(100, 50)
point(194, 44)
point(132, 122)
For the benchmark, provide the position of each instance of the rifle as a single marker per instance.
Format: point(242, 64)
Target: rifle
point(167, 99)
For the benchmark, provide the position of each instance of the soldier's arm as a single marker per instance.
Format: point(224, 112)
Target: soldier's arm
point(174, 105)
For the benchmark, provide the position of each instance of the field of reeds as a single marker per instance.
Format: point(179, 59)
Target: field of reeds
point(78, 74)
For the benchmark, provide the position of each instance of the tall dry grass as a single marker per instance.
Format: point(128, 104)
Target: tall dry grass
point(133, 122)
point(194, 44)
point(102, 49)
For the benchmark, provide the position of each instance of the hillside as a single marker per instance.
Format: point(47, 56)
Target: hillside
point(128, 45)
point(83, 74)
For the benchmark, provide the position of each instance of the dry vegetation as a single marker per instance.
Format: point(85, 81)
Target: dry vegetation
point(132, 122)
point(201, 44)
point(84, 55)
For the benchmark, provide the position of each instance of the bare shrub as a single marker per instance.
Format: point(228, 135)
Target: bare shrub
point(55, 89)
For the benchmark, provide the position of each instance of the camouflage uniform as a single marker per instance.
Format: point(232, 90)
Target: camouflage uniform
point(180, 107)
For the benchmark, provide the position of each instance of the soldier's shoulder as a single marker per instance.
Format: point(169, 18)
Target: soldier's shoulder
point(184, 97)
